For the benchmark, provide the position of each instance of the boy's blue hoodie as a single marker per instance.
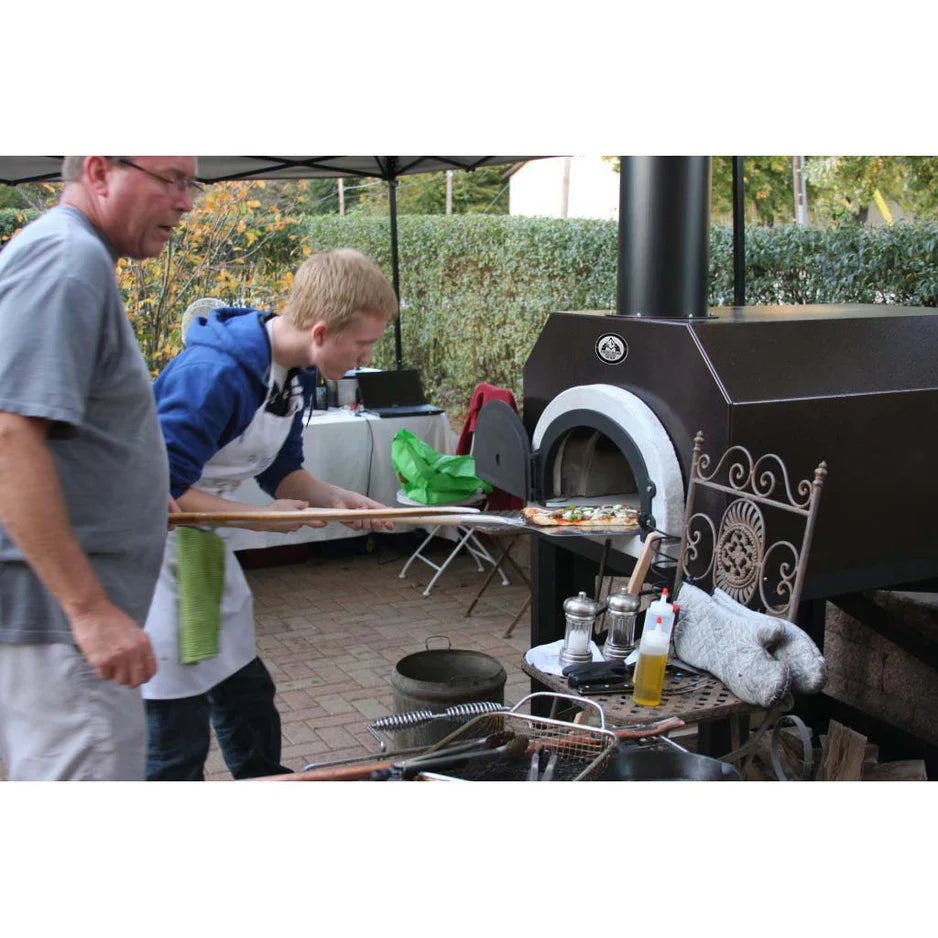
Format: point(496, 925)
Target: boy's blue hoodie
point(209, 393)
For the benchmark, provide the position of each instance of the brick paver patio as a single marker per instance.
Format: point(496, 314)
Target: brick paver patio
point(332, 628)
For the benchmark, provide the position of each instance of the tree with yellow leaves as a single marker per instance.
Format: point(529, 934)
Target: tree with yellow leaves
point(230, 246)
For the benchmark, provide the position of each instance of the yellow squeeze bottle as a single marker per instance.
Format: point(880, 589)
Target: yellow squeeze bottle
point(649, 669)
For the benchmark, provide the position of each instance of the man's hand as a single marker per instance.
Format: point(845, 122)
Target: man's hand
point(281, 527)
point(197, 501)
point(326, 495)
point(115, 646)
point(287, 504)
point(173, 509)
point(344, 498)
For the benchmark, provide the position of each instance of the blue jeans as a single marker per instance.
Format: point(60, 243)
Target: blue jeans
point(247, 724)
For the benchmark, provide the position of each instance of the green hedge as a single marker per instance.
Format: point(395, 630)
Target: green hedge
point(476, 289)
point(792, 264)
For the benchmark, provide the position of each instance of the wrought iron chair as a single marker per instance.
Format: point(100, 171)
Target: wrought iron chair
point(735, 554)
point(724, 543)
point(742, 561)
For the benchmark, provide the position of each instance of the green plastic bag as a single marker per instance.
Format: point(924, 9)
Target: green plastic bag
point(433, 478)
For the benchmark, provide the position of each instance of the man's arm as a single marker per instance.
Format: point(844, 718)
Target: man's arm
point(33, 511)
point(196, 500)
point(304, 485)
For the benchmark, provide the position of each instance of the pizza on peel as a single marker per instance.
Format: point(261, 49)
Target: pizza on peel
point(606, 516)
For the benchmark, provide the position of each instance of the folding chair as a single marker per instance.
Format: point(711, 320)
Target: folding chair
point(466, 538)
point(505, 557)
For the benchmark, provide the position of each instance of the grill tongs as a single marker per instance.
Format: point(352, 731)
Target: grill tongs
point(498, 746)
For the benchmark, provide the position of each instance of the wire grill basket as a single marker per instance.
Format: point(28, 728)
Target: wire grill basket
point(581, 750)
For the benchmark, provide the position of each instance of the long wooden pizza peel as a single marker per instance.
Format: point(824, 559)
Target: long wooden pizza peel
point(418, 516)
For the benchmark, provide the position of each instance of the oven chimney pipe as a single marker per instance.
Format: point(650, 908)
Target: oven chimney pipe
point(664, 236)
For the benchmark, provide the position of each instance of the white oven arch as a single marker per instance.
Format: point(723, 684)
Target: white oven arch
point(641, 424)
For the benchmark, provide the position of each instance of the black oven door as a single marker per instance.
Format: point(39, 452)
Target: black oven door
point(502, 450)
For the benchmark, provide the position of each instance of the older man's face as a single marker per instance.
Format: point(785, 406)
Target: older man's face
point(140, 210)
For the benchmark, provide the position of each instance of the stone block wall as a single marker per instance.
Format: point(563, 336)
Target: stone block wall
point(867, 671)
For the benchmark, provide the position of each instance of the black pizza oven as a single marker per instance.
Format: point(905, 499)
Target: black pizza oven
point(612, 403)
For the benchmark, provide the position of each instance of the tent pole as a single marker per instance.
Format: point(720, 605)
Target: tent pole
point(739, 235)
point(395, 271)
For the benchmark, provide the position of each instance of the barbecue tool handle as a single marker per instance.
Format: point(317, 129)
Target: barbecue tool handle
point(513, 749)
point(412, 718)
point(333, 773)
point(360, 771)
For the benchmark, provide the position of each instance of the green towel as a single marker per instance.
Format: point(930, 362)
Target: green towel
point(200, 556)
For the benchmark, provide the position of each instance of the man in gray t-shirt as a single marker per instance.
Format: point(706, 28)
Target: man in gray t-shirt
point(84, 481)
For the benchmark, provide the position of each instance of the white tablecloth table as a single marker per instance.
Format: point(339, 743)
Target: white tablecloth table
point(351, 450)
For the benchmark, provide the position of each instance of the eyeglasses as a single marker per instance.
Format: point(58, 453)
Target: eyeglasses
point(176, 183)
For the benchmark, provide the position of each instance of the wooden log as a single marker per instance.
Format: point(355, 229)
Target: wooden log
point(905, 770)
point(755, 770)
point(842, 754)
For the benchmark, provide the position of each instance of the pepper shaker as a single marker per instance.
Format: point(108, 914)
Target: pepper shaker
point(622, 608)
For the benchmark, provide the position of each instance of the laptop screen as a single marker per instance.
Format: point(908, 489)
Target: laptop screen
point(390, 388)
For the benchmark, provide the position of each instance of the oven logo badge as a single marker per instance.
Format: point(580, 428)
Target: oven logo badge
point(611, 348)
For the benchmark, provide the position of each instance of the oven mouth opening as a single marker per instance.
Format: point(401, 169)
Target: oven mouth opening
point(588, 459)
point(589, 469)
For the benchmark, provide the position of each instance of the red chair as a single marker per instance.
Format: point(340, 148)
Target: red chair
point(498, 500)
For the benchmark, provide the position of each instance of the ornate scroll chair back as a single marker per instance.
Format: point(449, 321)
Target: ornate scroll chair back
point(735, 552)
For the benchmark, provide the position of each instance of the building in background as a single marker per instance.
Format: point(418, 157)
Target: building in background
point(565, 187)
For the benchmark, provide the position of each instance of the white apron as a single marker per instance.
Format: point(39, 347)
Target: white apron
point(242, 458)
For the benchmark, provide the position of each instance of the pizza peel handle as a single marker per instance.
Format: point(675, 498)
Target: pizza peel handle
point(439, 514)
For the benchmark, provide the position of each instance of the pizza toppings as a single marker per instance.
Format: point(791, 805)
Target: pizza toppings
point(613, 515)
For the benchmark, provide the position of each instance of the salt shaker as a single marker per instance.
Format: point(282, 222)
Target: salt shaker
point(581, 612)
point(622, 609)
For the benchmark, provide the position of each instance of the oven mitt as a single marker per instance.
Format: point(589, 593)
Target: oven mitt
point(732, 647)
point(200, 558)
point(805, 662)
